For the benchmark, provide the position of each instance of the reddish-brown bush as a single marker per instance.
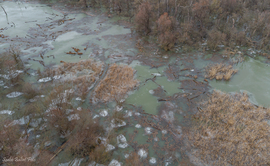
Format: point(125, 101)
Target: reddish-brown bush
point(216, 38)
point(8, 138)
point(166, 31)
point(142, 18)
point(84, 140)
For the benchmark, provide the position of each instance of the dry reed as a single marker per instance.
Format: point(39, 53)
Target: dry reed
point(232, 131)
point(118, 81)
point(220, 71)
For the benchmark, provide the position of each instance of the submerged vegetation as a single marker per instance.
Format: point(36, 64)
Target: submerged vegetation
point(231, 130)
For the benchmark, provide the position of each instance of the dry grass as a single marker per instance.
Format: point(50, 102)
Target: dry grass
point(118, 81)
point(220, 71)
point(231, 130)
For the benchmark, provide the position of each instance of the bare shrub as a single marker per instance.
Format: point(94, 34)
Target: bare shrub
point(10, 64)
point(133, 159)
point(82, 85)
point(166, 32)
point(201, 13)
point(240, 38)
point(84, 140)
point(231, 6)
point(23, 152)
point(15, 53)
point(215, 38)
point(231, 130)
point(118, 81)
point(29, 91)
point(58, 102)
point(100, 155)
point(9, 135)
point(83, 3)
point(44, 157)
point(188, 36)
point(142, 18)
point(59, 121)
point(220, 71)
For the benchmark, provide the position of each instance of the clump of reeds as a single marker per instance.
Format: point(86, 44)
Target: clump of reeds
point(220, 71)
point(231, 131)
point(118, 81)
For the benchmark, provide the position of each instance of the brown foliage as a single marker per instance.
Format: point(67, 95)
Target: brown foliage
point(118, 81)
point(232, 131)
point(142, 18)
point(166, 32)
point(215, 38)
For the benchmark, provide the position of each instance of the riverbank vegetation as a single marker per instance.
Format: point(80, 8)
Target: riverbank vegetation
point(191, 23)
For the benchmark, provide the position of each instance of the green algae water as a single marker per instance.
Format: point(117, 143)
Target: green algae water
point(144, 96)
point(253, 77)
point(46, 35)
point(23, 16)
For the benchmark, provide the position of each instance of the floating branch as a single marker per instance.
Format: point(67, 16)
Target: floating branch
point(5, 13)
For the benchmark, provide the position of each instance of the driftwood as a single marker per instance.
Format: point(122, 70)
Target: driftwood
point(5, 13)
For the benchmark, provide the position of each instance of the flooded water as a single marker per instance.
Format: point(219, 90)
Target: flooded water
point(158, 112)
point(253, 78)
